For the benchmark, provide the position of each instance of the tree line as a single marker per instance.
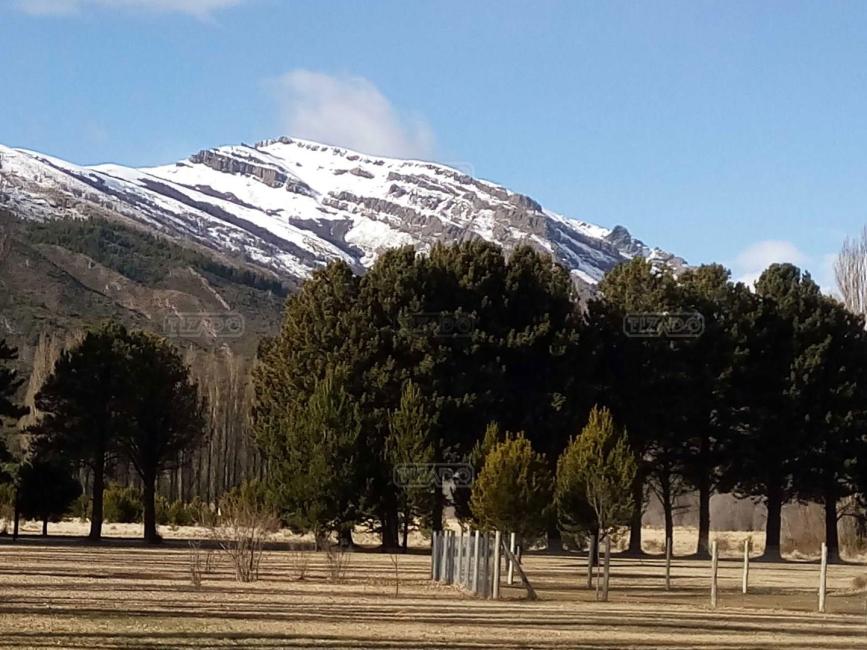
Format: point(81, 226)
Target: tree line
point(467, 358)
point(426, 357)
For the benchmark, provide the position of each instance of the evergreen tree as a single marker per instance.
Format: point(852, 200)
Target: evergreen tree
point(830, 396)
point(513, 492)
point(710, 414)
point(165, 415)
point(9, 411)
point(640, 377)
point(313, 449)
point(81, 405)
point(596, 470)
point(772, 432)
point(411, 455)
point(9, 384)
point(47, 488)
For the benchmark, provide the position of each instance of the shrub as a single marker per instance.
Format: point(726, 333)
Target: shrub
point(245, 521)
point(7, 501)
point(162, 510)
point(180, 514)
point(514, 490)
point(80, 508)
point(122, 505)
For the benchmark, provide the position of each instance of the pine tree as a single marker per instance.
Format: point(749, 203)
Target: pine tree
point(82, 411)
point(597, 469)
point(47, 488)
point(165, 414)
point(513, 492)
point(313, 460)
point(772, 432)
point(410, 453)
point(9, 384)
point(639, 377)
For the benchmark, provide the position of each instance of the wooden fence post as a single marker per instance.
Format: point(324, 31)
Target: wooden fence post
point(607, 568)
point(714, 562)
point(823, 575)
point(746, 578)
point(444, 556)
point(476, 549)
point(591, 550)
point(511, 562)
point(597, 558)
point(468, 555)
point(433, 555)
point(668, 546)
point(495, 587)
point(454, 555)
point(460, 564)
point(486, 572)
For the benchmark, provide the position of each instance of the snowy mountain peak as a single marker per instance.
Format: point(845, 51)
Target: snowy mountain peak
point(292, 205)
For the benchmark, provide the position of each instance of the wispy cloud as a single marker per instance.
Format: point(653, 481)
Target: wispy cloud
point(351, 112)
point(198, 8)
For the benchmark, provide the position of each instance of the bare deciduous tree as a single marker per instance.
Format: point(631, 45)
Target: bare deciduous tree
point(850, 272)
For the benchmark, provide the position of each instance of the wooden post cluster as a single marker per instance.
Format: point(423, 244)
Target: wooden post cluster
point(472, 560)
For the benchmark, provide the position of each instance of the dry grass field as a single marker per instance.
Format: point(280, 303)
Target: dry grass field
point(123, 595)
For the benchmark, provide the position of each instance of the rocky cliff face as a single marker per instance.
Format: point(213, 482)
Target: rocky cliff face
point(289, 206)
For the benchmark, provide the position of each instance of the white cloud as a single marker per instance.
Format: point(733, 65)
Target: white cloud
point(749, 264)
point(197, 8)
point(351, 112)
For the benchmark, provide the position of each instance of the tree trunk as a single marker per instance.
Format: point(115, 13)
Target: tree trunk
point(703, 549)
point(150, 511)
point(555, 541)
point(16, 517)
point(665, 483)
point(831, 537)
point(774, 523)
point(591, 557)
point(437, 510)
point(607, 570)
point(45, 526)
point(637, 511)
point(390, 526)
point(96, 505)
point(407, 512)
point(344, 537)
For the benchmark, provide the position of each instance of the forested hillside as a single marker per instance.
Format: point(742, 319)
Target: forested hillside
point(59, 277)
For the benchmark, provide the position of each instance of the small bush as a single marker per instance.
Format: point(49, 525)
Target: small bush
point(180, 514)
point(7, 501)
point(200, 563)
point(80, 508)
point(122, 505)
point(245, 522)
point(162, 510)
point(337, 560)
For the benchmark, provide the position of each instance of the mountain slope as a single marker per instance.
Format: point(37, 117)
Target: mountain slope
point(288, 206)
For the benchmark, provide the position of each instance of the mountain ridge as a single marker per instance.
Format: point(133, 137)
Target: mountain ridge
point(286, 206)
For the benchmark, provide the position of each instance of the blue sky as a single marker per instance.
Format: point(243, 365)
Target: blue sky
point(723, 131)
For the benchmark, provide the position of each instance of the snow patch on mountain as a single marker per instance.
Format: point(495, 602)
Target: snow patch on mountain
point(293, 205)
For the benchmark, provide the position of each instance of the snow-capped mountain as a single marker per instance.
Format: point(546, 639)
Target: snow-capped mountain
point(291, 205)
